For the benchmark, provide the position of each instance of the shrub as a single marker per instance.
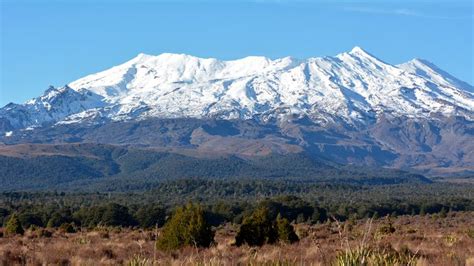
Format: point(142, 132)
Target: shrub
point(67, 228)
point(286, 232)
point(56, 220)
point(44, 233)
point(187, 227)
point(387, 228)
point(470, 233)
point(450, 240)
point(13, 226)
point(40, 232)
point(257, 229)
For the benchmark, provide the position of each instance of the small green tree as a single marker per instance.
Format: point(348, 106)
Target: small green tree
point(286, 232)
point(257, 229)
point(187, 227)
point(13, 226)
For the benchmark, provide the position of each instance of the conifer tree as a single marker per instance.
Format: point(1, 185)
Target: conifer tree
point(187, 227)
point(257, 229)
point(13, 226)
point(286, 232)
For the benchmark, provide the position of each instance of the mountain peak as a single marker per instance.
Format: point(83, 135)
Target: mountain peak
point(358, 50)
point(142, 57)
point(350, 86)
point(175, 55)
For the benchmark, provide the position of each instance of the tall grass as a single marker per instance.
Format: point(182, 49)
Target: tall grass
point(364, 252)
point(372, 256)
point(139, 260)
point(362, 242)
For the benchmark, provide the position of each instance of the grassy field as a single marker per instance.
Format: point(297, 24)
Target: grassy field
point(406, 240)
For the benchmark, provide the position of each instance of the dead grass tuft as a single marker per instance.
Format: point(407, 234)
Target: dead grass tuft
point(420, 240)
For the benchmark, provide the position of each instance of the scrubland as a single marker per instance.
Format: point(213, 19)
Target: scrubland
point(404, 240)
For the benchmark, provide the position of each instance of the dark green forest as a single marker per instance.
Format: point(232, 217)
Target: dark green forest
point(91, 168)
point(231, 200)
point(89, 185)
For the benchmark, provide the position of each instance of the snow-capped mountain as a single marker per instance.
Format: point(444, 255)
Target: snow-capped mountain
point(55, 105)
point(350, 108)
point(354, 87)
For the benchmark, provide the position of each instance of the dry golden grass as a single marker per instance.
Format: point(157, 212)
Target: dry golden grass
point(430, 240)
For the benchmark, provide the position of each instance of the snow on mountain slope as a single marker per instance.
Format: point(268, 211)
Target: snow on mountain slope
point(434, 74)
point(54, 105)
point(354, 87)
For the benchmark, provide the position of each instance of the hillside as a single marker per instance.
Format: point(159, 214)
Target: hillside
point(90, 167)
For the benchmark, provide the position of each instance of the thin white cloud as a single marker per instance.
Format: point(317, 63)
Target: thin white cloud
point(402, 12)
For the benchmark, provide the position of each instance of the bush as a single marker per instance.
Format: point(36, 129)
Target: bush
point(56, 220)
point(44, 233)
point(187, 227)
point(257, 229)
point(13, 226)
point(39, 232)
point(286, 232)
point(470, 233)
point(67, 228)
point(387, 228)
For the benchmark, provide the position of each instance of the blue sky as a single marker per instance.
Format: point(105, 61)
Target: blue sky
point(55, 42)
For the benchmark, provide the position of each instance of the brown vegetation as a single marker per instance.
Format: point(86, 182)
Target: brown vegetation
point(418, 240)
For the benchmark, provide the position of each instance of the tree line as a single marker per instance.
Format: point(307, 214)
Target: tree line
point(292, 208)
